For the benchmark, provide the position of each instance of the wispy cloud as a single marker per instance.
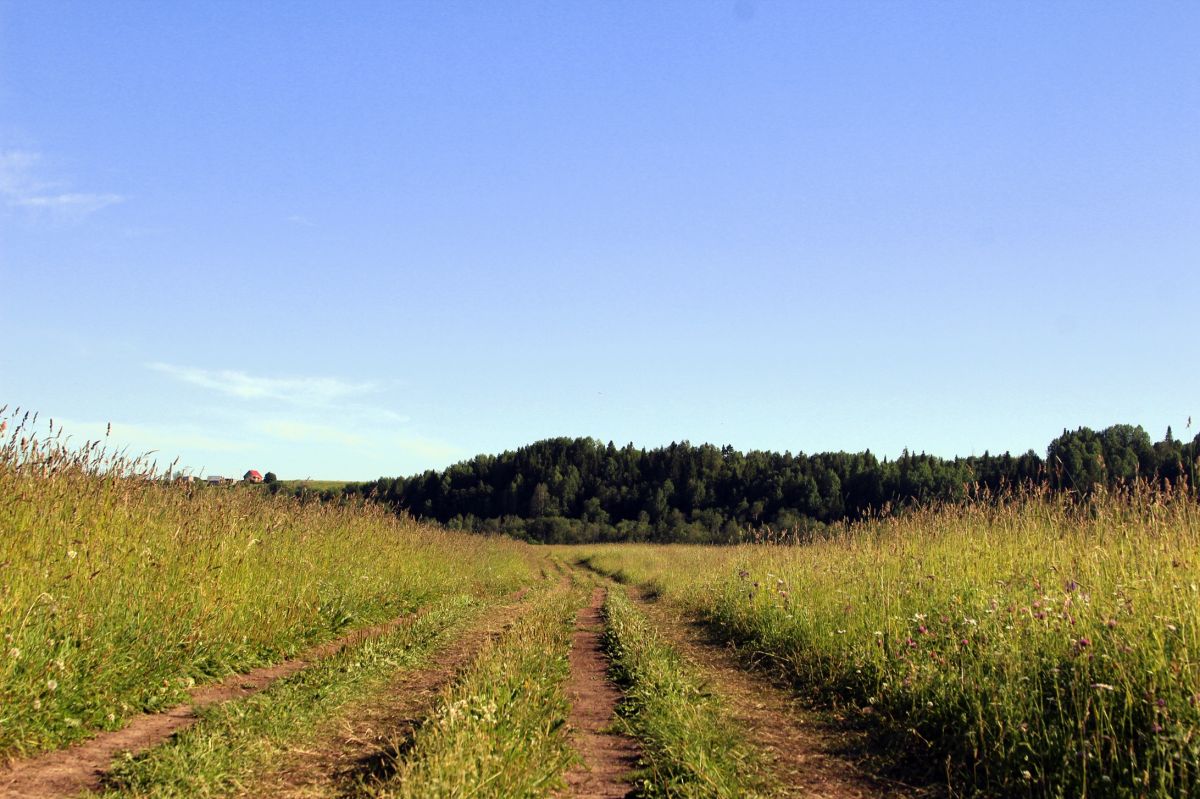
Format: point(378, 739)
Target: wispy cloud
point(381, 442)
point(84, 203)
point(20, 187)
point(304, 432)
point(310, 391)
point(142, 438)
point(311, 424)
point(16, 172)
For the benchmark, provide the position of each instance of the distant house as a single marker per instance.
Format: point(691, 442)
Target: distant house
point(253, 476)
point(215, 480)
point(185, 478)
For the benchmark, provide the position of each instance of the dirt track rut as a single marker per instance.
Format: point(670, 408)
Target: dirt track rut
point(608, 757)
point(81, 767)
point(808, 755)
point(361, 746)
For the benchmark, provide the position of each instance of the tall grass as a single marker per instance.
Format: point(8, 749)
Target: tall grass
point(234, 741)
point(693, 749)
point(1034, 647)
point(500, 729)
point(119, 591)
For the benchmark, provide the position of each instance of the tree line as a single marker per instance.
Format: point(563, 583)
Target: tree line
point(565, 490)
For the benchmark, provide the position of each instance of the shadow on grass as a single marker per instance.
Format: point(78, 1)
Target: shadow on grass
point(381, 766)
point(904, 763)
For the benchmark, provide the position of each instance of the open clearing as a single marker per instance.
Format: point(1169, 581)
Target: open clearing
point(165, 642)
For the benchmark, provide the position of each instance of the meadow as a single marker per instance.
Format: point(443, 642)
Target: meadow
point(1033, 645)
point(119, 593)
point(1029, 647)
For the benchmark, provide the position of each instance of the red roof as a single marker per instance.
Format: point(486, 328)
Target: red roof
point(254, 473)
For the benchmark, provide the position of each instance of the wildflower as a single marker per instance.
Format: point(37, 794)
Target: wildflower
point(71, 554)
point(14, 653)
point(1110, 623)
point(52, 685)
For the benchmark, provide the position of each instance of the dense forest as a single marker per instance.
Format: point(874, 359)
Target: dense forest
point(568, 490)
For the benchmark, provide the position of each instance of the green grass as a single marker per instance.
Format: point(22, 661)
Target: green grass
point(118, 593)
point(1030, 648)
point(692, 748)
point(313, 485)
point(219, 754)
point(500, 729)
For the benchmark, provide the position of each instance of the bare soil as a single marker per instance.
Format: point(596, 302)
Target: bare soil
point(81, 767)
point(363, 745)
point(809, 753)
point(608, 757)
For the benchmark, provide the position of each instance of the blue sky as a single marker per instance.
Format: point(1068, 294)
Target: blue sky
point(343, 240)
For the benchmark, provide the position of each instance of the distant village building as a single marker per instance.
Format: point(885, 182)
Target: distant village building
point(215, 479)
point(185, 478)
point(253, 476)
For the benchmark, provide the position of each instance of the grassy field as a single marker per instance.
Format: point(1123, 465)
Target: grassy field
point(1029, 648)
point(118, 593)
point(312, 485)
point(692, 750)
point(499, 731)
point(234, 741)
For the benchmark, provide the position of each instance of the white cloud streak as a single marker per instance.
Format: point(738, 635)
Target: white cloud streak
point(159, 439)
point(83, 203)
point(21, 188)
point(309, 391)
point(380, 442)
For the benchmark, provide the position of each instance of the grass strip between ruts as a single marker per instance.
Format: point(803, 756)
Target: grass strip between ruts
point(218, 755)
point(500, 730)
point(692, 747)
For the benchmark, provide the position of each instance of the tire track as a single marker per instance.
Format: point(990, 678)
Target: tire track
point(81, 767)
point(608, 757)
point(808, 755)
point(364, 744)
